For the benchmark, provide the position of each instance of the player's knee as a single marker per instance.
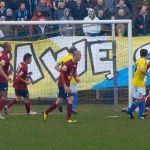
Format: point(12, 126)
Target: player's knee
point(58, 101)
point(70, 100)
point(18, 99)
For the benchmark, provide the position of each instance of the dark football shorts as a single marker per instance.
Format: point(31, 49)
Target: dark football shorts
point(22, 93)
point(3, 86)
point(62, 93)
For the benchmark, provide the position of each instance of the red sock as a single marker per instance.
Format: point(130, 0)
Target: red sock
point(12, 102)
point(1, 104)
point(51, 107)
point(69, 111)
point(27, 107)
point(147, 102)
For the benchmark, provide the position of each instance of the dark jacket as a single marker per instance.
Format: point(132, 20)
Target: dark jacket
point(126, 10)
point(78, 13)
point(38, 32)
point(105, 10)
point(46, 11)
point(3, 13)
point(22, 14)
point(59, 13)
point(139, 20)
point(15, 4)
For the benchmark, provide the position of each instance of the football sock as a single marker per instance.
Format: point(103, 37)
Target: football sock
point(75, 101)
point(69, 111)
point(51, 107)
point(27, 107)
point(1, 104)
point(147, 102)
point(141, 109)
point(133, 107)
point(12, 102)
point(60, 108)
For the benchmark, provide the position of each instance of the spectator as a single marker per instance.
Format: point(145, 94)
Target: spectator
point(121, 29)
point(9, 15)
point(46, 10)
point(67, 30)
point(70, 3)
point(89, 3)
point(138, 3)
point(110, 5)
point(91, 29)
point(55, 3)
point(41, 31)
point(29, 5)
point(142, 22)
point(2, 9)
point(22, 31)
point(8, 30)
point(100, 5)
point(59, 13)
point(78, 10)
point(22, 12)
point(105, 29)
point(122, 5)
point(101, 15)
point(48, 2)
point(37, 17)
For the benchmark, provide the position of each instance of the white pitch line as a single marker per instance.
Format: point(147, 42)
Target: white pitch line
point(24, 114)
point(112, 116)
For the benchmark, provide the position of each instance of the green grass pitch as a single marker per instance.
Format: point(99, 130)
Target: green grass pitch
point(94, 131)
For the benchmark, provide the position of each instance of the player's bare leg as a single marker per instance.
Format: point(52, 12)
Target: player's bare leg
point(11, 103)
point(2, 100)
point(53, 106)
point(27, 107)
point(69, 110)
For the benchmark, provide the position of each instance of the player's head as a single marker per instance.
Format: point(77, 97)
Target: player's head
point(72, 49)
point(27, 58)
point(143, 52)
point(7, 47)
point(77, 55)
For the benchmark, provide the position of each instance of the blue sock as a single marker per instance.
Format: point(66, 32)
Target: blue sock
point(74, 105)
point(133, 107)
point(141, 109)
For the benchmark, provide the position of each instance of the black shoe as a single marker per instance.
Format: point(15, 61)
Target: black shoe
point(74, 112)
point(130, 115)
point(60, 109)
point(6, 110)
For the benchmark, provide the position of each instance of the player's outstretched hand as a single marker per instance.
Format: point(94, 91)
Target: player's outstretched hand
point(28, 82)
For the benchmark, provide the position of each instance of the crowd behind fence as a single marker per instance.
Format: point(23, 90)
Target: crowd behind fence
point(88, 10)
